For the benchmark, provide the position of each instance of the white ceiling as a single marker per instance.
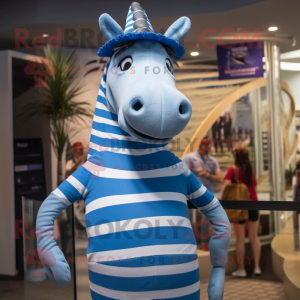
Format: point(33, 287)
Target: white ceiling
point(217, 14)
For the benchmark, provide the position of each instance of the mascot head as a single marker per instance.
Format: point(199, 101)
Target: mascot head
point(140, 83)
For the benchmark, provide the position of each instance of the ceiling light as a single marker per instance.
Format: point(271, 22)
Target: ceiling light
point(272, 28)
point(287, 66)
point(290, 55)
point(45, 35)
point(194, 53)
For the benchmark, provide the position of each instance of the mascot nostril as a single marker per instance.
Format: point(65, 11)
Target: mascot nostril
point(153, 253)
point(181, 109)
point(137, 105)
point(185, 108)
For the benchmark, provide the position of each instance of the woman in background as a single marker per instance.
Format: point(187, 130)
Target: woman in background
point(247, 176)
point(227, 130)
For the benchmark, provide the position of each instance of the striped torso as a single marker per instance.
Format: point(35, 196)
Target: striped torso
point(141, 244)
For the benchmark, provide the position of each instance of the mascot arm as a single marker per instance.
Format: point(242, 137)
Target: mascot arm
point(219, 242)
point(71, 190)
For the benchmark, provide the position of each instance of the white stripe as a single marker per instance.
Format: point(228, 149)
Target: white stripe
point(160, 294)
point(102, 106)
point(127, 29)
point(144, 271)
point(133, 198)
point(135, 152)
point(130, 22)
point(139, 223)
point(198, 193)
point(77, 185)
point(113, 136)
point(100, 92)
point(131, 16)
point(103, 83)
point(184, 169)
point(173, 249)
point(106, 121)
point(62, 196)
point(123, 174)
point(214, 201)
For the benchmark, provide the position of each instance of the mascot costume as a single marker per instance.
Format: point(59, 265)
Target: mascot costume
point(140, 241)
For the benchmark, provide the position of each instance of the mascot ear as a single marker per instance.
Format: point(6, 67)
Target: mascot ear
point(179, 29)
point(109, 27)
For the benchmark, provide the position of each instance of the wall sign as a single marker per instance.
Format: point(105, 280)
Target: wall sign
point(240, 61)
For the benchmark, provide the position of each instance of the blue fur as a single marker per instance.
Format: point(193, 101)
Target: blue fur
point(152, 84)
point(218, 247)
point(107, 49)
point(112, 30)
point(51, 208)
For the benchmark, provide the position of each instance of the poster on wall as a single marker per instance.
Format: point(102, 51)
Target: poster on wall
point(240, 61)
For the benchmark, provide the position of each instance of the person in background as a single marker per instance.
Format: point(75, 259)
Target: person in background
point(207, 170)
point(251, 137)
point(240, 133)
point(222, 134)
point(247, 176)
point(216, 132)
point(79, 158)
point(296, 197)
point(227, 130)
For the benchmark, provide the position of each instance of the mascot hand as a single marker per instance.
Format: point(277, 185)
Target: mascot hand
point(57, 268)
point(216, 283)
point(51, 257)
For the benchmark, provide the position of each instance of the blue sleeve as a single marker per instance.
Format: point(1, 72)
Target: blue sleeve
point(75, 187)
point(72, 189)
point(197, 193)
point(219, 242)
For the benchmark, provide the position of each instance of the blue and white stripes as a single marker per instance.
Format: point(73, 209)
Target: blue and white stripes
point(141, 243)
point(137, 20)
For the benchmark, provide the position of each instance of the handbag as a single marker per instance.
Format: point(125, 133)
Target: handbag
point(237, 191)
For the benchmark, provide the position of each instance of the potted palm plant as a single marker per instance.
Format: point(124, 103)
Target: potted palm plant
point(56, 100)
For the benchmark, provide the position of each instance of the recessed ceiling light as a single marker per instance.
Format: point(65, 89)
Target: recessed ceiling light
point(194, 53)
point(45, 35)
point(272, 28)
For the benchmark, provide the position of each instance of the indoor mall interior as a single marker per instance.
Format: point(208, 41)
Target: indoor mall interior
point(212, 85)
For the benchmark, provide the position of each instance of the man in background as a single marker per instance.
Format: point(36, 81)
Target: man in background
point(79, 158)
point(207, 170)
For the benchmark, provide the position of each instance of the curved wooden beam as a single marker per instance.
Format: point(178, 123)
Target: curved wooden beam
point(207, 123)
point(209, 91)
point(286, 88)
point(193, 75)
point(197, 84)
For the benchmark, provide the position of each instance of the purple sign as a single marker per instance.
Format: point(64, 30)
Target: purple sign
point(240, 61)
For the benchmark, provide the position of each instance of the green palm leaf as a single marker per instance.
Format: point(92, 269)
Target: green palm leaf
point(56, 101)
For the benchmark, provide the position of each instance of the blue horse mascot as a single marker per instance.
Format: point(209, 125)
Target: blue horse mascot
point(140, 241)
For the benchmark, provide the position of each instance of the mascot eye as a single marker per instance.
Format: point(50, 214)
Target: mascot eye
point(169, 65)
point(125, 63)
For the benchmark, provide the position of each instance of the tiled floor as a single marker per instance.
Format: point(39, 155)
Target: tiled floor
point(266, 286)
point(235, 289)
point(248, 289)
